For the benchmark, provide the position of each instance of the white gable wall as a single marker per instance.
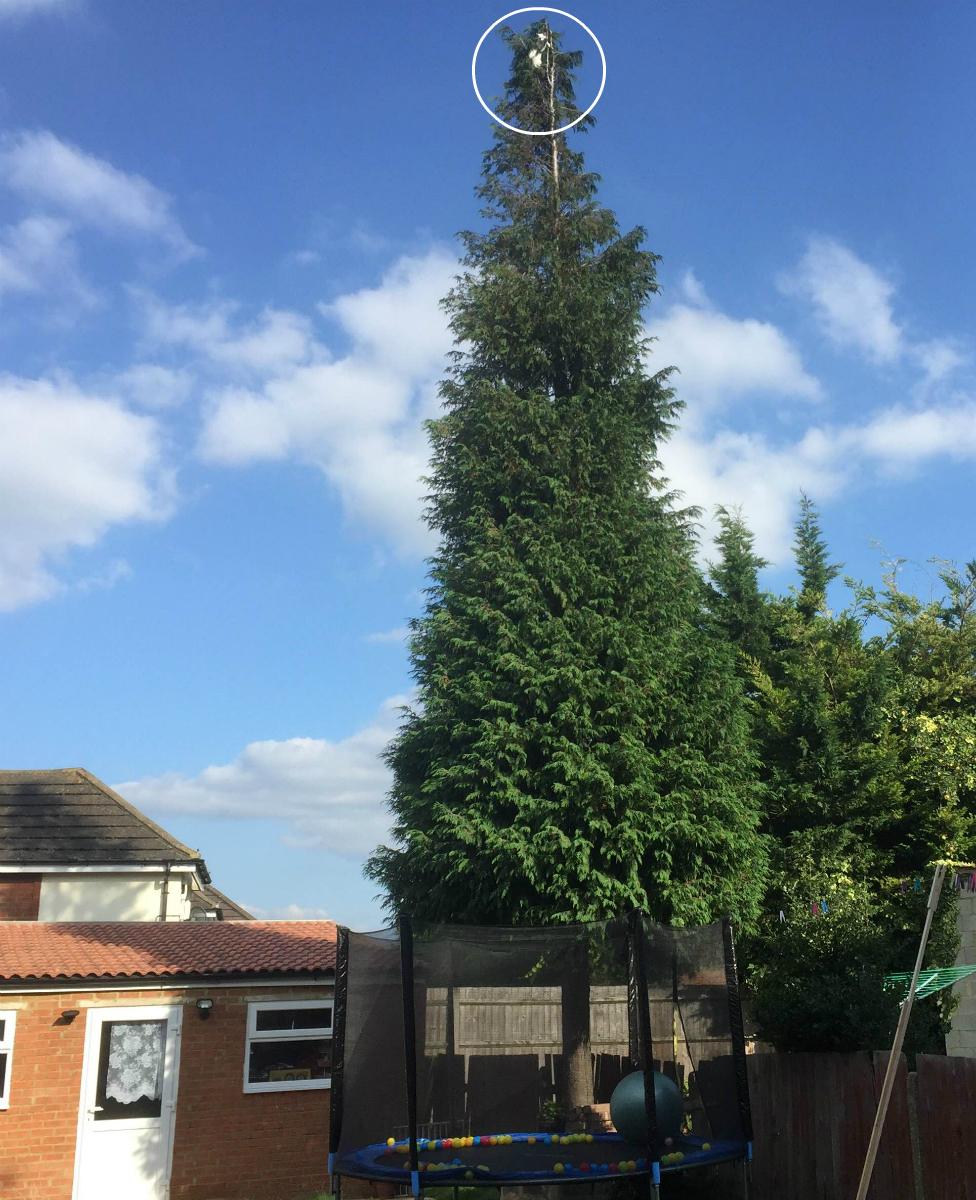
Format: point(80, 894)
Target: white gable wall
point(113, 897)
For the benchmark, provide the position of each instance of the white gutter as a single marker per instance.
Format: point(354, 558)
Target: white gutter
point(96, 869)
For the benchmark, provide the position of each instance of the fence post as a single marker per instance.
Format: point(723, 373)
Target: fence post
point(918, 1167)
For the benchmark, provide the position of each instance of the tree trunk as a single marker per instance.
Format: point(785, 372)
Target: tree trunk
point(577, 1074)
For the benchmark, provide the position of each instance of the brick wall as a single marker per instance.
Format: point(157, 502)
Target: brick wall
point(962, 1038)
point(227, 1145)
point(20, 897)
point(39, 1129)
point(264, 1146)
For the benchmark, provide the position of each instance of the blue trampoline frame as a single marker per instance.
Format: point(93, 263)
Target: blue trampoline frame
point(365, 1163)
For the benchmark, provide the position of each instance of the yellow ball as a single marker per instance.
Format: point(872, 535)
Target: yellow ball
point(531, 1141)
point(589, 1137)
point(555, 1139)
point(391, 1141)
point(706, 1145)
point(558, 1168)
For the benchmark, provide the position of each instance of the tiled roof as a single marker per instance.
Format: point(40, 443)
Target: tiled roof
point(69, 816)
point(82, 950)
point(229, 910)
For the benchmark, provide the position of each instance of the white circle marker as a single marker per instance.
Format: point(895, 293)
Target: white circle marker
point(536, 132)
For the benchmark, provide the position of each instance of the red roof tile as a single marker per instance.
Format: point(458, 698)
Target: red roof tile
point(38, 950)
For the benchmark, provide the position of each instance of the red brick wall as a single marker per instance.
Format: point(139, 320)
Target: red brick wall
point(20, 897)
point(265, 1146)
point(39, 1129)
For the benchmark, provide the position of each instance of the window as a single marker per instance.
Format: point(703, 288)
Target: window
point(289, 1046)
point(7, 1021)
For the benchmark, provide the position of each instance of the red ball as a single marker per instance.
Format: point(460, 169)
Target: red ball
point(584, 1166)
point(614, 1167)
point(448, 1143)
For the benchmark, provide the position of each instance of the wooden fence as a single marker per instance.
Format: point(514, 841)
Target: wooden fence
point(813, 1115)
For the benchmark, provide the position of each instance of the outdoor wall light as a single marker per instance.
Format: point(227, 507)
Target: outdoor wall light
point(68, 1015)
point(204, 1005)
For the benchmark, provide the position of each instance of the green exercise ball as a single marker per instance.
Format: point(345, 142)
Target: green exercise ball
point(629, 1115)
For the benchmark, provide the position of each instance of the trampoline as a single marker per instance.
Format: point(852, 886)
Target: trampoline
point(451, 1043)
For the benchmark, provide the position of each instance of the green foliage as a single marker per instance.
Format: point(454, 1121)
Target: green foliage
point(862, 737)
point(596, 726)
point(810, 549)
point(580, 745)
point(738, 606)
point(817, 981)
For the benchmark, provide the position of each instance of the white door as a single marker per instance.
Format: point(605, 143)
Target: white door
point(128, 1103)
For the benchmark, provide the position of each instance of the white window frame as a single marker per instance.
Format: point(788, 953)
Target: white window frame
point(285, 1035)
point(9, 1018)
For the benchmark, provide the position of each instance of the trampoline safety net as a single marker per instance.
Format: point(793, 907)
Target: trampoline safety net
point(519, 1037)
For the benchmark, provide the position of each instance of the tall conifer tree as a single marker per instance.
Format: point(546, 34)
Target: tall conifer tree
point(816, 571)
point(579, 746)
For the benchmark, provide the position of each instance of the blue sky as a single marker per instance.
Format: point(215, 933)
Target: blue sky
point(224, 228)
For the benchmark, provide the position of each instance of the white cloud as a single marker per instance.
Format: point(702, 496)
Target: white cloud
point(398, 324)
point(749, 471)
point(765, 478)
point(45, 169)
point(149, 385)
point(23, 8)
point(275, 341)
point(330, 793)
point(37, 255)
point(388, 636)
point(357, 418)
point(905, 437)
point(290, 912)
point(851, 300)
point(722, 358)
point(72, 465)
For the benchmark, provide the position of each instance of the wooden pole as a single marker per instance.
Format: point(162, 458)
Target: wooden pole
point(902, 1029)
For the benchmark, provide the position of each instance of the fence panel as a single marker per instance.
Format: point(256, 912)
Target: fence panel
point(812, 1115)
point(947, 1126)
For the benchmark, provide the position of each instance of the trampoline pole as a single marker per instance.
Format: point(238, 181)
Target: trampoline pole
point(409, 1044)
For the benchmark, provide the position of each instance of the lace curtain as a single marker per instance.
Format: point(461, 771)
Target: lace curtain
point(135, 1060)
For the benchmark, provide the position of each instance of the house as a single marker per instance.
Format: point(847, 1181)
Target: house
point(961, 1039)
point(72, 849)
point(151, 1060)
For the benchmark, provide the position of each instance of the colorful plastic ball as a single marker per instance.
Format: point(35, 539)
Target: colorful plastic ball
point(391, 1141)
point(555, 1139)
point(531, 1140)
point(584, 1166)
point(589, 1137)
point(706, 1145)
point(614, 1167)
point(558, 1168)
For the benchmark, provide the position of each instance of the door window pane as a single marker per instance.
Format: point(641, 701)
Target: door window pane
point(289, 1061)
point(130, 1070)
